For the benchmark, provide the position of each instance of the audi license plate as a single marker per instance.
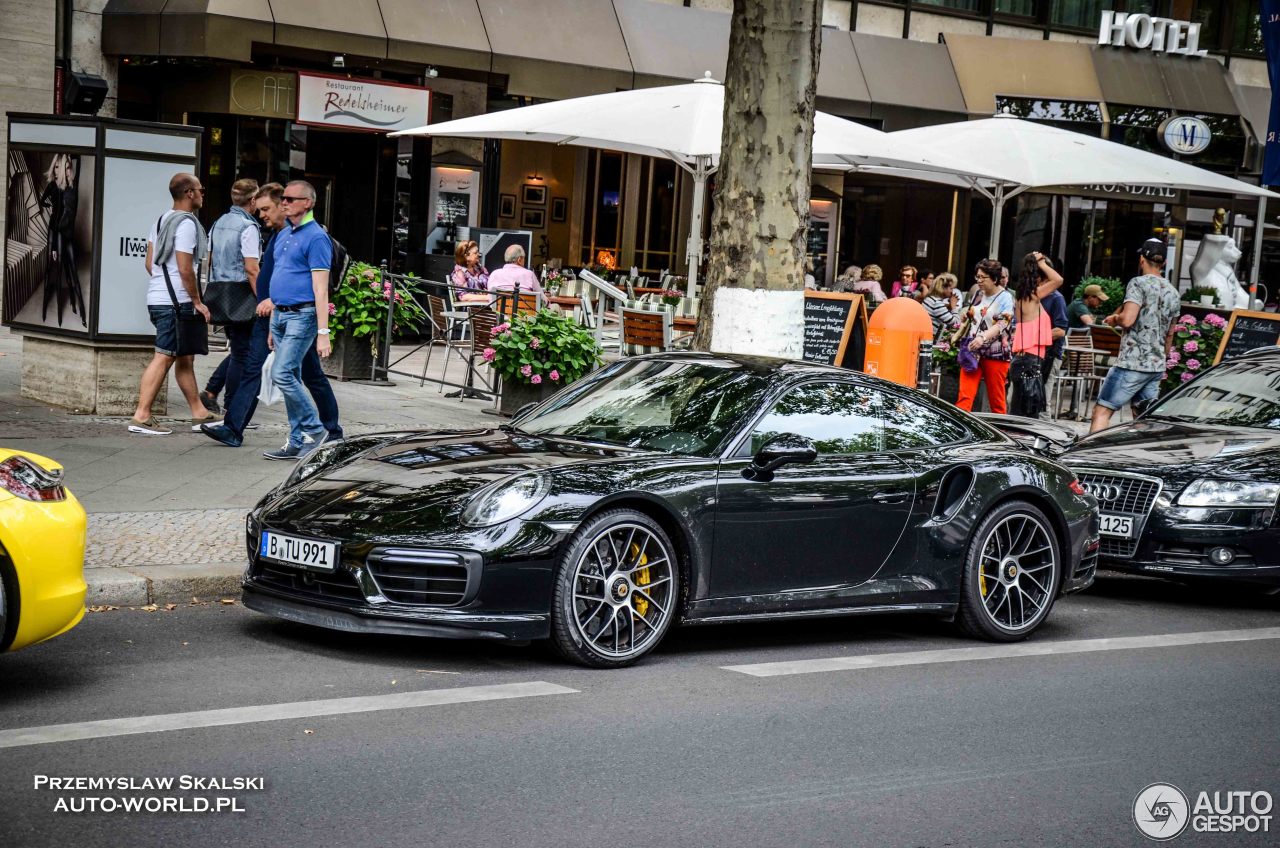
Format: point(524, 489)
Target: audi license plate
point(311, 554)
point(1117, 525)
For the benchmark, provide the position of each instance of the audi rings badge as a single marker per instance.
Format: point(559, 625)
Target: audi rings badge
point(1104, 492)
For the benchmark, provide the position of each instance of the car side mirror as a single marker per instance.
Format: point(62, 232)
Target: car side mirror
point(777, 452)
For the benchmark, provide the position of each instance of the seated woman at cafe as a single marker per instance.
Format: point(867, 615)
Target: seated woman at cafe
point(469, 278)
point(869, 284)
point(943, 303)
point(907, 284)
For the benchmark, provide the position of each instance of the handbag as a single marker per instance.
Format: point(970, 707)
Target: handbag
point(193, 330)
point(229, 301)
point(967, 358)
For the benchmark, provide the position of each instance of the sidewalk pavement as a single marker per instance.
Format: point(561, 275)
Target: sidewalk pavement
point(166, 513)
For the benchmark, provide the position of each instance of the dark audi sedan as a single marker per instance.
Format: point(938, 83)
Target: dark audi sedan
point(1189, 489)
point(676, 488)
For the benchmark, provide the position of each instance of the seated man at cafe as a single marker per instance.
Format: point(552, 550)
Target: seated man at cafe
point(514, 276)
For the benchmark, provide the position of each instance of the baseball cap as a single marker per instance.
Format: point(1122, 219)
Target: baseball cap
point(1152, 249)
point(1095, 290)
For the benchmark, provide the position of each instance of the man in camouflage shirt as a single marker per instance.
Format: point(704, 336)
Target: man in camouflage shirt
point(1146, 319)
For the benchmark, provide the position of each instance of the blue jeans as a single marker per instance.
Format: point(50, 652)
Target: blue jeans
point(230, 370)
point(293, 334)
point(244, 401)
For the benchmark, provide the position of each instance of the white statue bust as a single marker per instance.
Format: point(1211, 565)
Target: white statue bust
point(1214, 268)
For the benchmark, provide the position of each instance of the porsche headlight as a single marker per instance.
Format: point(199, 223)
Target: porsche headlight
point(504, 500)
point(1227, 493)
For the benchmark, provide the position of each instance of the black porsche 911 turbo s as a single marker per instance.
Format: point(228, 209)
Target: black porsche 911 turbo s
point(688, 488)
point(1189, 489)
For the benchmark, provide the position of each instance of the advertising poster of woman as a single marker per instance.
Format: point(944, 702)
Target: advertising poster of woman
point(48, 260)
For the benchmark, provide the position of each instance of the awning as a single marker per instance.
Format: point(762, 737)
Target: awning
point(216, 29)
point(556, 49)
point(1134, 78)
point(1052, 70)
point(669, 43)
point(334, 26)
point(1255, 105)
point(902, 72)
point(451, 35)
point(842, 90)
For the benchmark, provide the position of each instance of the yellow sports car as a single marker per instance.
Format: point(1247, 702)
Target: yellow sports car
point(42, 535)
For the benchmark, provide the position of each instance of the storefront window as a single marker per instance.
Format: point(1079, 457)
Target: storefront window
point(659, 208)
point(961, 5)
point(1016, 8)
point(1226, 149)
point(1138, 126)
point(1080, 14)
point(1246, 34)
point(1233, 24)
point(602, 223)
point(1073, 115)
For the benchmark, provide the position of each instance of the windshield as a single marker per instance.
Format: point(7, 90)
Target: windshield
point(678, 407)
point(1239, 394)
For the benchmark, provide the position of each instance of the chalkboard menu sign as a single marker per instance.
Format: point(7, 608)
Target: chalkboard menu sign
point(1246, 331)
point(835, 325)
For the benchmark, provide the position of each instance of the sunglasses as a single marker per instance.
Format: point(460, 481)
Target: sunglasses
point(288, 199)
point(196, 189)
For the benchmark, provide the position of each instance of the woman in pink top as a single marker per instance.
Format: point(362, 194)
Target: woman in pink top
point(869, 284)
point(1032, 334)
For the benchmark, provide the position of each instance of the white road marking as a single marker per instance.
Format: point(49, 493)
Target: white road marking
point(1000, 652)
point(21, 736)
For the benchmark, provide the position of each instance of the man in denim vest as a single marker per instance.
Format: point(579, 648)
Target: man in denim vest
point(235, 248)
point(302, 257)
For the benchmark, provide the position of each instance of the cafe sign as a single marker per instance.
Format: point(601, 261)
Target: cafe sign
point(374, 106)
point(1146, 32)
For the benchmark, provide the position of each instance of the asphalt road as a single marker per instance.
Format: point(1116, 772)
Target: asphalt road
point(680, 750)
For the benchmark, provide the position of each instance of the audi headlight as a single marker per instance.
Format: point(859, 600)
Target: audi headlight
point(505, 499)
point(1206, 492)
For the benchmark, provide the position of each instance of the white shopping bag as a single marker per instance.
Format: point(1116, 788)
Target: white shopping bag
point(270, 392)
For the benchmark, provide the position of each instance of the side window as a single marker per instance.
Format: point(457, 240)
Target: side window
point(840, 418)
point(908, 424)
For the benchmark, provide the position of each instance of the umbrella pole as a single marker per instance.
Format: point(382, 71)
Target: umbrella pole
point(1259, 229)
point(997, 213)
point(700, 172)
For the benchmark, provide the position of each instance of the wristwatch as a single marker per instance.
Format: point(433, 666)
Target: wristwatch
point(324, 331)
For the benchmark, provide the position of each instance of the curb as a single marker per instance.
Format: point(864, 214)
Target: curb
point(162, 584)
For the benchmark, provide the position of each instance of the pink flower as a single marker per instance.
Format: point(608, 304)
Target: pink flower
point(1215, 320)
point(526, 370)
point(535, 342)
point(1187, 376)
point(554, 375)
point(333, 308)
point(1187, 319)
point(1193, 364)
point(370, 274)
point(502, 328)
point(399, 299)
point(1194, 332)
point(1191, 346)
point(536, 379)
point(488, 354)
point(1175, 357)
point(943, 346)
point(373, 287)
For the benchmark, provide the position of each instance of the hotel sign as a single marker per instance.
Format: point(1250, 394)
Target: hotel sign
point(359, 104)
point(1186, 135)
point(1144, 32)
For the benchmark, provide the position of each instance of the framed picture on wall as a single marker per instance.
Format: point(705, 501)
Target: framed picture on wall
point(506, 206)
point(559, 208)
point(534, 219)
point(535, 195)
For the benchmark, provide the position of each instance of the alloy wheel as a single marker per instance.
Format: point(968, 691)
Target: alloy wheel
point(1017, 572)
point(623, 591)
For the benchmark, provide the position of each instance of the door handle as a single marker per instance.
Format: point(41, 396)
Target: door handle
point(889, 497)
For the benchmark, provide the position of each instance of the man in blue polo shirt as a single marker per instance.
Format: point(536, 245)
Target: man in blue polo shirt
point(301, 258)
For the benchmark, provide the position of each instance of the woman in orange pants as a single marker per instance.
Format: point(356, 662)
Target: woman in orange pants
point(988, 322)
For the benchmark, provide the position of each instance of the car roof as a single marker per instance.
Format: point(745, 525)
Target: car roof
point(762, 365)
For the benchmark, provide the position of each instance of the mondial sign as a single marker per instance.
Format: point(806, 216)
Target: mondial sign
point(1186, 135)
point(1143, 32)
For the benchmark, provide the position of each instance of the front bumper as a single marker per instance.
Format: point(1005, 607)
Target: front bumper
point(1177, 541)
point(45, 542)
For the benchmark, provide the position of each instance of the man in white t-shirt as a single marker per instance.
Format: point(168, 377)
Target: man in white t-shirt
point(176, 245)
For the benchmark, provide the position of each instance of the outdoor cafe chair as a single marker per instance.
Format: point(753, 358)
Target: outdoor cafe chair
point(443, 324)
point(510, 306)
point(482, 323)
point(645, 331)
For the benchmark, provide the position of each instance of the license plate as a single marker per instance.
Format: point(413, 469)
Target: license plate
point(1117, 525)
point(310, 554)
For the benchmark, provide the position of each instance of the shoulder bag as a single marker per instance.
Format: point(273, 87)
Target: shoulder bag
point(229, 301)
point(193, 330)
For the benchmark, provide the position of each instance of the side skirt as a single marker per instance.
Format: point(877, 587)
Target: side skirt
point(948, 610)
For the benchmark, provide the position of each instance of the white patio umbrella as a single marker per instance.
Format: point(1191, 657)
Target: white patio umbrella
point(1029, 155)
point(683, 123)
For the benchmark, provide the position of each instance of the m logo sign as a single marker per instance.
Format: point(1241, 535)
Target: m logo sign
point(1186, 135)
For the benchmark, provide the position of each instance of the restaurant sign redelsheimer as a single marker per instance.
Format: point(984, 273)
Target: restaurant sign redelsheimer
point(1145, 32)
point(358, 104)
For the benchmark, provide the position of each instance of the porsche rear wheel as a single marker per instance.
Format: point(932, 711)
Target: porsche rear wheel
point(616, 590)
point(1012, 573)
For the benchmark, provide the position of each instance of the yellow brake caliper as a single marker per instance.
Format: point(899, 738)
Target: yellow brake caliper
point(641, 579)
point(982, 582)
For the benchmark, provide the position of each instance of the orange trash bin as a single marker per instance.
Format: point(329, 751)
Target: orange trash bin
point(894, 334)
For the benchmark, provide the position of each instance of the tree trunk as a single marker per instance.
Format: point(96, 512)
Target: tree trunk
point(754, 298)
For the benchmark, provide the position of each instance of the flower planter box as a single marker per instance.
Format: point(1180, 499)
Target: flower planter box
point(517, 394)
point(350, 359)
point(949, 387)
